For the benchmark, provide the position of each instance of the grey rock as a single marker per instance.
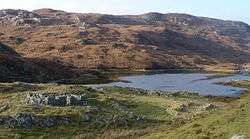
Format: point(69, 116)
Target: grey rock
point(238, 137)
point(93, 108)
point(20, 120)
point(83, 33)
point(210, 107)
point(25, 120)
point(119, 107)
point(4, 108)
point(85, 118)
point(36, 99)
point(95, 89)
point(29, 120)
point(182, 108)
point(17, 40)
point(53, 121)
point(125, 120)
point(59, 100)
point(87, 41)
point(74, 100)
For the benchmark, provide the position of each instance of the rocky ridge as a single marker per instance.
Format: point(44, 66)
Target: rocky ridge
point(80, 41)
point(29, 120)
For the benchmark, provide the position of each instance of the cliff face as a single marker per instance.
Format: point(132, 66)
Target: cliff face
point(151, 41)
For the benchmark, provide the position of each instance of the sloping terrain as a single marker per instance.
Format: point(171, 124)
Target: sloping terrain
point(106, 113)
point(132, 42)
point(232, 122)
point(14, 67)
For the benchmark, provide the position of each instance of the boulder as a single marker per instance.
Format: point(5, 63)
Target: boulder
point(53, 121)
point(210, 107)
point(20, 120)
point(16, 40)
point(85, 118)
point(87, 41)
point(238, 137)
point(25, 120)
point(4, 108)
point(83, 33)
point(182, 108)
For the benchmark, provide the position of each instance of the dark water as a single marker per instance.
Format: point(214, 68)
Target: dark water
point(192, 82)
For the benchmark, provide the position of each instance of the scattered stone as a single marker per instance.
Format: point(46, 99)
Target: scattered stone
point(17, 40)
point(118, 45)
point(95, 89)
point(86, 25)
point(93, 109)
point(182, 108)
point(83, 33)
point(85, 118)
point(53, 121)
point(29, 120)
point(210, 107)
point(125, 120)
point(4, 108)
point(87, 42)
point(238, 137)
point(24, 120)
point(118, 107)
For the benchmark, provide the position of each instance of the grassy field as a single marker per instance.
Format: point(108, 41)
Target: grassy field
point(233, 121)
point(226, 68)
point(115, 112)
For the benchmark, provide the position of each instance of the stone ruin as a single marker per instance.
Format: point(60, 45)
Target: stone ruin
point(60, 100)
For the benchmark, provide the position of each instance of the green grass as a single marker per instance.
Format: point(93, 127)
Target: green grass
point(221, 124)
point(18, 87)
point(121, 112)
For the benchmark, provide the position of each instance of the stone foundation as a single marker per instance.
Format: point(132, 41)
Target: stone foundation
point(60, 100)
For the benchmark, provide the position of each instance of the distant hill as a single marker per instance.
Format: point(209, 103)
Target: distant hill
point(147, 41)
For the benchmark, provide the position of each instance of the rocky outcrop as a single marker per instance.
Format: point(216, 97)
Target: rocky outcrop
point(81, 41)
point(29, 120)
point(18, 17)
point(182, 108)
point(125, 120)
point(210, 107)
point(60, 100)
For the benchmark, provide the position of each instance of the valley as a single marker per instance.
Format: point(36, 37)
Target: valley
point(73, 75)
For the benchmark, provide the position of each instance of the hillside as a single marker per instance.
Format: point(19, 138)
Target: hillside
point(14, 67)
point(47, 58)
point(134, 42)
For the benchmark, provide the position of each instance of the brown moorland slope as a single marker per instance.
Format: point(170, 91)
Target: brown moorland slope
point(148, 41)
point(13, 67)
